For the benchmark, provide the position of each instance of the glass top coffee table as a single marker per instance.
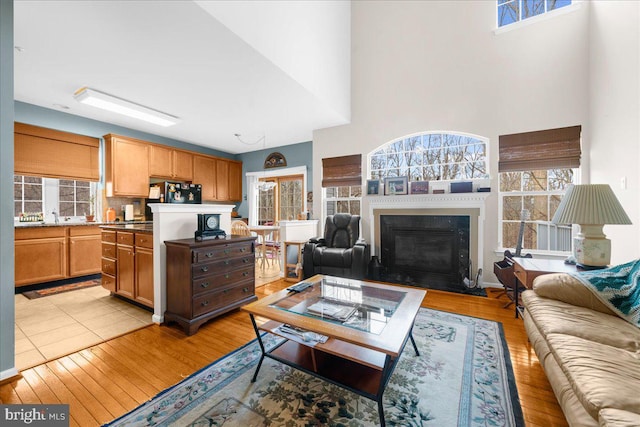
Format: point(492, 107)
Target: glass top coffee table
point(348, 332)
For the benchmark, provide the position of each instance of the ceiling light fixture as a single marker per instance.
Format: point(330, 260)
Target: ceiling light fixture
point(114, 104)
point(261, 184)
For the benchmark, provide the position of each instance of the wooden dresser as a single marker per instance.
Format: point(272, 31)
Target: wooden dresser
point(208, 278)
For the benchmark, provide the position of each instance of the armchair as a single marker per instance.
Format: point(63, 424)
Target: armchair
point(340, 252)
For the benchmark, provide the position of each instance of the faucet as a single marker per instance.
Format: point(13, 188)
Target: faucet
point(56, 218)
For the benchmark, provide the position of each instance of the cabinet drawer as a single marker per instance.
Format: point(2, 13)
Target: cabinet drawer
point(222, 251)
point(226, 264)
point(109, 236)
point(144, 240)
point(109, 266)
point(221, 298)
point(109, 282)
point(108, 250)
point(218, 280)
point(124, 238)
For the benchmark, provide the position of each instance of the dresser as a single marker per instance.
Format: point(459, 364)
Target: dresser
point(208, 278)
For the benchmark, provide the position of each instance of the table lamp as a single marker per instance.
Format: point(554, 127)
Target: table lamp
point(591, 206)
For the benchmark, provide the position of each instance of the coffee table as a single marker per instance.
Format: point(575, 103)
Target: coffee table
point(366, 326)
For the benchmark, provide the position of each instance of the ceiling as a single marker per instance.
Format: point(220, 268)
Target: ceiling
point(276, 69)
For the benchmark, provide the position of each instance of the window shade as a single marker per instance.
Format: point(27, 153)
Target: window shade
point(545, 149)
point(55, 154)
point(341, 171)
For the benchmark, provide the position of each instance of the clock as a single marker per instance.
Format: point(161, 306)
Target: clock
point(209, 227)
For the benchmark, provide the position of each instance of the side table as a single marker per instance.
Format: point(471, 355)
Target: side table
point(292, 259)
point(527, 269)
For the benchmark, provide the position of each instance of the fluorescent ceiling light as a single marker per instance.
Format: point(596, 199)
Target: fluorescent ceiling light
point(121, 106)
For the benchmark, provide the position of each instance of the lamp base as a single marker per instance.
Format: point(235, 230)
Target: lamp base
point(592, 252)
point(590, 267)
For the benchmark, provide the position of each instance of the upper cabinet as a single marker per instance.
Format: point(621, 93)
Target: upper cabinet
point(127, 167)
point(222, 179)
point(204, 172)
point(165, 162)
point(235, 181)
point(55, 154)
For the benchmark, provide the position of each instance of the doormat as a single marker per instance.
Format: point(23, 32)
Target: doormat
point(60, 289)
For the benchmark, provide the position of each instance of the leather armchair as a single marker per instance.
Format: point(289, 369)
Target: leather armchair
point(340, 252)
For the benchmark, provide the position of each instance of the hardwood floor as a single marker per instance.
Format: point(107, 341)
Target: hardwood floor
point(105, 381)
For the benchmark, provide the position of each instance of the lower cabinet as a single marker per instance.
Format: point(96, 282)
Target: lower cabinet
point(44, 254)
point(208, 278)
point(127, 265)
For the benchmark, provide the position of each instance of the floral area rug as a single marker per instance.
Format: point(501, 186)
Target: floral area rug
point(463, 377)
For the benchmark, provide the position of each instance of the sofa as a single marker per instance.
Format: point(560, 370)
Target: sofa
point(590, 355)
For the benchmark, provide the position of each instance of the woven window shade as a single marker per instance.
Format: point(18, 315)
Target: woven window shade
point(541, 150)
point(342, 171)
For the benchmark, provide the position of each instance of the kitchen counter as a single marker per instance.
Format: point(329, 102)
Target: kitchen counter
point(139, 226)
point(78, 224)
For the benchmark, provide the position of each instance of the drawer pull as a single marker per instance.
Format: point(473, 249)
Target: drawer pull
point(245, 273)
point(226, 276)
point(205, 268)
point(226, 291)
point(204, 303)
point(227, 262)
point(204, 285)
point(209, 254)
point(227, 251)
point(245, 260)
point(243, 249)
point(245, 290)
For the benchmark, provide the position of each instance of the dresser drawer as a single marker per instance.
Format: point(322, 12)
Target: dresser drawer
point(221, 298)
point(109, 266)
point(222, 251)
point(109, 250)
point(220, 279)
point(108, 282)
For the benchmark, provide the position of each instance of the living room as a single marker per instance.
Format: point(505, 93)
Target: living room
point(440, 66)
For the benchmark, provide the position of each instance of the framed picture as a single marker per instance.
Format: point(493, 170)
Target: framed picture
point(373, 186)
point(396, 185)
point(275, 160)
point(419, 187)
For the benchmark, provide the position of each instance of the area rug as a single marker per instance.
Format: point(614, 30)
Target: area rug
point(463, 377)
point(60, 289)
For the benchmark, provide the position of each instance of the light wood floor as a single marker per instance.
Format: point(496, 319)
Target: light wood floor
point(109, 379)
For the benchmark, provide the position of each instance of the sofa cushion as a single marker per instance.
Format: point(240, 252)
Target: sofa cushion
point(602, 376)
point(564, 287)
point(617, 418)
point(551, 316)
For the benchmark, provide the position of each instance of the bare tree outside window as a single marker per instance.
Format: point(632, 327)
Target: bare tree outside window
point(27, 194)
point(345, 199)
point(511, 11)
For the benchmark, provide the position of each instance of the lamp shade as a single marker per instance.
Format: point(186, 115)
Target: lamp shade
point(590, 204)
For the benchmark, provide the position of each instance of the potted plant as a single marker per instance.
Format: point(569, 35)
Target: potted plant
point(91, 216)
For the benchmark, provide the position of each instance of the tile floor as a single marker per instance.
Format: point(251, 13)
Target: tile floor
point(56, 325)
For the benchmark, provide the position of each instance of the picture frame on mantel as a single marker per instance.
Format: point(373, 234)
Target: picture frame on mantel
point(396, 185)
point(419, 187)
point(373, 187)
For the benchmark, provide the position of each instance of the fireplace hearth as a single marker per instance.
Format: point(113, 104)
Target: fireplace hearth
point(430, 251)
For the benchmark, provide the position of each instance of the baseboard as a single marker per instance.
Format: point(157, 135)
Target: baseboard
point(9, 375)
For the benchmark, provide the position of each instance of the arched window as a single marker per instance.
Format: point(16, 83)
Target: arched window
point(431, 156)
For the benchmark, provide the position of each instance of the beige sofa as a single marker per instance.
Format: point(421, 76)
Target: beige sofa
point(590, 355)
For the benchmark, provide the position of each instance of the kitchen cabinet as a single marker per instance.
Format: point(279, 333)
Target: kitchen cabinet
point(168, 163)
point(235, 181)
point(127, 167)
point(204, 172)
point(208, 278)
point(222, 179)
point(44, 254)
point(127, 264)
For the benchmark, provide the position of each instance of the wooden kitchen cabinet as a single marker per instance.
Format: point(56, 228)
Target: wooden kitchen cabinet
point(222, 179)
point(143, 289)
point(235, 181)
point(109, 260)
point(125, 276)
point(204, 172)
point(84, 250)
point(208, 278)
point(165, 162)
point(127, 167)
point(40, 255)
point(45, 254)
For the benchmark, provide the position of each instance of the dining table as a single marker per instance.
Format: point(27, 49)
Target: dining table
point(263, 231)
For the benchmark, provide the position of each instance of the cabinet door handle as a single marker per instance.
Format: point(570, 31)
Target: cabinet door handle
point(209, 254)
point(205, 303)
point(205, 268)
point(204, 285)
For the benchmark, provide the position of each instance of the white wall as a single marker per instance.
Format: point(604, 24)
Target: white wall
point(614, 114)
point(437, 65)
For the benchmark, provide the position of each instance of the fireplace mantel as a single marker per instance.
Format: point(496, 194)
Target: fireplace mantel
point(426, 202)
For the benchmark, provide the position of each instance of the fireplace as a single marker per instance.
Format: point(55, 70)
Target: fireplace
point(426, 250)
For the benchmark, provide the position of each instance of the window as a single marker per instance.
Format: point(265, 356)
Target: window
point(431, 157)
point(535, 170)
point(511, 11)
point(344, 199)
point(69, 198)
point(283, 202)
point(533, 197)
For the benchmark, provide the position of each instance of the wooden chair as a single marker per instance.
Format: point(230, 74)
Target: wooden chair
point(273, 246)
point(240, 228)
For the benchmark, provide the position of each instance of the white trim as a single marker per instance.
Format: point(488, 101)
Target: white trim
point(252, 193)
point(574, 6)
point(8, 373)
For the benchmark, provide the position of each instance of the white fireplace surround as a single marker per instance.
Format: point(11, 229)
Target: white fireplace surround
point(426, 202)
